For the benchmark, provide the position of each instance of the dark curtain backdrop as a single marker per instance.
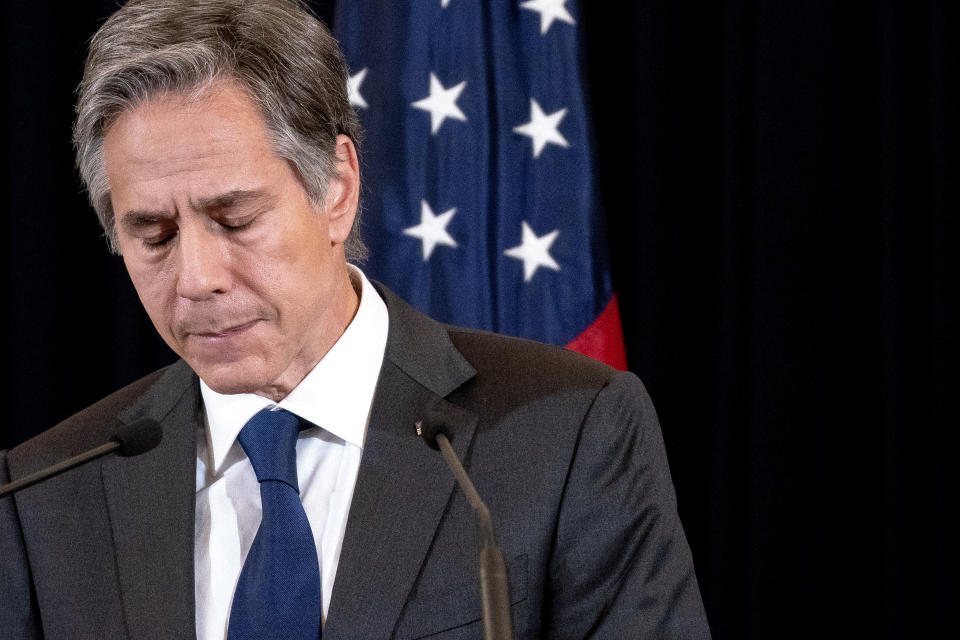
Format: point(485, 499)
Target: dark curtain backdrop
point(781, 181)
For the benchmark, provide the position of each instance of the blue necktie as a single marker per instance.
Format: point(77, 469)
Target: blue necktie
point(278, 595)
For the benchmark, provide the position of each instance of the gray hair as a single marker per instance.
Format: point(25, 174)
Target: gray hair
point(281, 55)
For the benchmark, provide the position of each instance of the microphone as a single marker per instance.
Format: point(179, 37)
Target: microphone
point(128, 440)
point(493, 572)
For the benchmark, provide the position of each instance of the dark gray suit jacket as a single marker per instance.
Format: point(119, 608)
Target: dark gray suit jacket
point(567, 453)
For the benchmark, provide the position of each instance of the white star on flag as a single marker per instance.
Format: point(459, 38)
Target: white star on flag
point(441, 103)
point(432, 229)
point(542, 128)
point(353, 88)
point(549, 11)
point(444, 4)
point(534, 251)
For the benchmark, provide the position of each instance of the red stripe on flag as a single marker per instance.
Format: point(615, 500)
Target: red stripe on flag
point(603, 340)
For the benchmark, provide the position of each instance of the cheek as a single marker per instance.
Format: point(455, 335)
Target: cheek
point(155, 288)
point(291, 257)
point(290, 282)
point(259, 272)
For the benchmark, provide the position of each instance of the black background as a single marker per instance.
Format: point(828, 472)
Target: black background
point(781, 186)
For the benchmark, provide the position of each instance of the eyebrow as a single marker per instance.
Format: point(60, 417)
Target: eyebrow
point(234, 198)
point(137, 219)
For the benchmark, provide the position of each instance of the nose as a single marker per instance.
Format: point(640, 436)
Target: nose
point(204, 264)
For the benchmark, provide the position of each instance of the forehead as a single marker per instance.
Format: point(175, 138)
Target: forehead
point(173, 136)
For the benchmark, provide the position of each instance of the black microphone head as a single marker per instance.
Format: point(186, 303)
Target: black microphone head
point(429, 428)
point(138, 437)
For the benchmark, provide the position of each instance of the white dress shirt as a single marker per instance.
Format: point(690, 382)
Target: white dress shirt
point(336, 396)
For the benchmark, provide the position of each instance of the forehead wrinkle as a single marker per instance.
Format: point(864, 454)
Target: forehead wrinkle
point(144, 170)
point(183, 159)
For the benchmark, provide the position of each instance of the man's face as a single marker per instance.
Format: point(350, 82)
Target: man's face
point(241, 276)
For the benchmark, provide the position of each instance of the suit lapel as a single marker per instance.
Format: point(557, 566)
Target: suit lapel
point(403, 486)
point(150, 500)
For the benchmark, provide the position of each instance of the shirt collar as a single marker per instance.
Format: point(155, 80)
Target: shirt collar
point(337, 393)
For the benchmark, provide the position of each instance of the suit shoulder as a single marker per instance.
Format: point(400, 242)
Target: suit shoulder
point(516, 360)
point(85, 429)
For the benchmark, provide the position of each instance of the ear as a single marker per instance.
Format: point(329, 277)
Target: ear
point(343, 191)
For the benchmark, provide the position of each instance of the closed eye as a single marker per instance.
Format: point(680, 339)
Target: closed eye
point(237, 227)
point(155, 244)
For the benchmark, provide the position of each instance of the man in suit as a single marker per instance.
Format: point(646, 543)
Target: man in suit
point(219, 150)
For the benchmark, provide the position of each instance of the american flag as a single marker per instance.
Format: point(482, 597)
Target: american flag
point(480, 202)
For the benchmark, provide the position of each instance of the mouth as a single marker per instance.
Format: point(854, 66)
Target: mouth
point(226, 333)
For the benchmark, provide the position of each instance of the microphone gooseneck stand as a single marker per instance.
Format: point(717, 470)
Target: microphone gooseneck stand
point(129, 440)
point(493, 572)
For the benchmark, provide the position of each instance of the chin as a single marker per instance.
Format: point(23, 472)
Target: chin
point(233, 378)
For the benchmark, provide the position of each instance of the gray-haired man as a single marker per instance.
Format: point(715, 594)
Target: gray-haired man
point(220, 153)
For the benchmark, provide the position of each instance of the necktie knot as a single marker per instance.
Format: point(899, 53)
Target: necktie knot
point(269, 439)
